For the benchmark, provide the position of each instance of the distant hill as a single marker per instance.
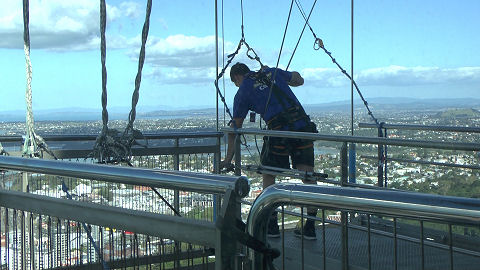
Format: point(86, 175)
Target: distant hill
point(178, 113)
point(375, 104)
point(396, 104)
point(459, 113)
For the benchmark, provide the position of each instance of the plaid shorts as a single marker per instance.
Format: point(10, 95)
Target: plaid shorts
point(277, 151)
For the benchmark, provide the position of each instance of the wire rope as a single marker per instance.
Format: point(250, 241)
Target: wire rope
point(111, 145)
point(318, 44)
point(33, 143)
point(278, 59)
point(301, 34)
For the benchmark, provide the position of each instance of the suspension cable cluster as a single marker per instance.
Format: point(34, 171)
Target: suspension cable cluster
point(111, 145)
point(33, 143)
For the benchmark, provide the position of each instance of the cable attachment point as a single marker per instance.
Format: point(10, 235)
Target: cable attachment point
point(318, 44)
point(252, 54)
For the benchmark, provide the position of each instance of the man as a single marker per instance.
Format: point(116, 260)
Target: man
point(281, 110)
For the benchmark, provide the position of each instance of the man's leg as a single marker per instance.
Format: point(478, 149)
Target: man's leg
point(302, 167)
point(268, 180)
point(309, 226)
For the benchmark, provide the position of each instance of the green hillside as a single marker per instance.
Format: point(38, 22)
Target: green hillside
point(459, 113)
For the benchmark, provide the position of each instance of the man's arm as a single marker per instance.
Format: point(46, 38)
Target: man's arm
point(231, 141)
point(296, 79)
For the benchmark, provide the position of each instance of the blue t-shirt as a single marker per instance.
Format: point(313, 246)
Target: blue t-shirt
point(253, 95)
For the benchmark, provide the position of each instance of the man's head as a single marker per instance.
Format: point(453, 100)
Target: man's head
point(237, 72)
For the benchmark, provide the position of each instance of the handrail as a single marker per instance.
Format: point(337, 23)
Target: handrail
point(359, 139)
point(385, 202)
point(128, 175)
point(451, 165)
point(91, 137)
point(153, 224)
point(422, 127)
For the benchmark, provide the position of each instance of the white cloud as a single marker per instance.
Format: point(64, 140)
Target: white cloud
point(131, 9)
point(191, 76)
point(59, 25)
point(182, 51)
point(181, 59)
point(393, 76)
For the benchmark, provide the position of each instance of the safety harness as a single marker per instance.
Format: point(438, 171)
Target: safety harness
point(292, 111)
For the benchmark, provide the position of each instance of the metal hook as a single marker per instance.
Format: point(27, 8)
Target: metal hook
point(318, 44)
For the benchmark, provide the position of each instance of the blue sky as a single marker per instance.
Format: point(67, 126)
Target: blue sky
point(419, 49)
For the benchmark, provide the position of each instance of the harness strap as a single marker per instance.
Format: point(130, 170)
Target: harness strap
point(292, 111)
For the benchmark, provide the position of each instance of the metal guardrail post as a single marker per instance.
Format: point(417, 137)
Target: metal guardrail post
point(344, 164)
point(344, 222)
point(380, 159)
point(216, 169)
point(238, 155)
point(352, 158)
point(217, 157)
point(385, 162)
point(343, 215)
point(23, 247)
point(25, 181)
point(227, 250)
point(176, 157)
point(176, 202)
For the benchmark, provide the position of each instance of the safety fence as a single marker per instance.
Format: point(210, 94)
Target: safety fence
point(377, 229)
point(386, 155)
point(48, 232)
point(188, 152)
point(346, 164)
point(385, 236)
point(61, 240)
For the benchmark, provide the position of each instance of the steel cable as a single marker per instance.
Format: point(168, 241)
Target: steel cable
point(318, 44)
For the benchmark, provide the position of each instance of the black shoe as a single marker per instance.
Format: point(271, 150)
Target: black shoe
point(308, 230)
point(273, 229)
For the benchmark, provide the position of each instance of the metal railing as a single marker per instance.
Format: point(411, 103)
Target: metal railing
point(344, 217)
point(199, 232)
point(383, 157)
point(114, 178)
point(387, 203)
point(175, 147)
point(345, 140)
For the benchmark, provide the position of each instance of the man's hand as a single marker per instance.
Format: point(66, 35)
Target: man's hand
point(226, 166)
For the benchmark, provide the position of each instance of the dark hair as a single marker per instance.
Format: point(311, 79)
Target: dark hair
point(239, 69)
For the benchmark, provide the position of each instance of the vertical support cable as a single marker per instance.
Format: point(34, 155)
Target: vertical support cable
point(283, 236)
point(29, 146)
point(351, 77)
point(369, 234)
point(352, 154)
point(395, 243)
point(324, 241)
point(216, 60)
point(103, 55)
point(385, 160)
point(303, 243)
point(223, 67)
point(450, 245)
point(6, 236)
point(344, 221)
point(24, 238)
point(422, 246)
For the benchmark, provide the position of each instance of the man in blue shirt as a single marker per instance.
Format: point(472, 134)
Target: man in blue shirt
point(281, 110)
